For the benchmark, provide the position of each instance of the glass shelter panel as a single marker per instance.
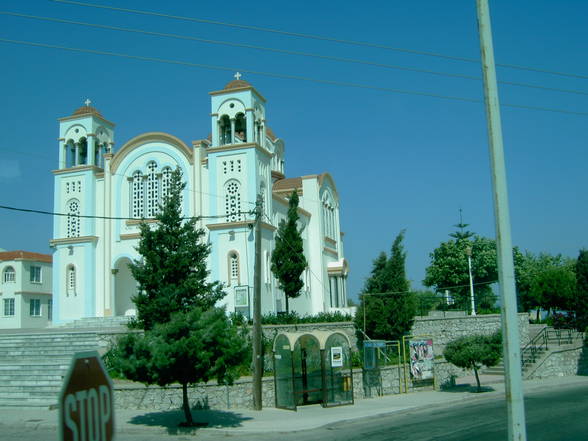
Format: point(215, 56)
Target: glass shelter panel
point(338, 385)
point(308, 378)
point(283, 374)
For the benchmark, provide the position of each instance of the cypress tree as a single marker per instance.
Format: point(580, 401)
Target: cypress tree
point(288, 261)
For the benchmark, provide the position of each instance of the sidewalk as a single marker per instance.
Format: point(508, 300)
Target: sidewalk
point(270, 419)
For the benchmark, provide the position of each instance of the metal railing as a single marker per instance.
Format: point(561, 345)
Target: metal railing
point(546, 337)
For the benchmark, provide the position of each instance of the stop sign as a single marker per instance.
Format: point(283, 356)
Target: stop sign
point(86, 410)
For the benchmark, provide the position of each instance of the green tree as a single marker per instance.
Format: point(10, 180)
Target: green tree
point(449, 270)
point(554, 288)
point(171, 272)
point(386, 303)
point(475, 351)
point(192, 347)
point(288, 261)
point(545, 281)
point(581, 306)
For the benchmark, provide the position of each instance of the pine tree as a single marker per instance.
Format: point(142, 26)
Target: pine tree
point(171, 272)
point(288, 261)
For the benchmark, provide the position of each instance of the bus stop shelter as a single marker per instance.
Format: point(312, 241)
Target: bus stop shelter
point(312, 368)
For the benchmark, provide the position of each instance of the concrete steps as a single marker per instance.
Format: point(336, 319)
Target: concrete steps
point(33, 364)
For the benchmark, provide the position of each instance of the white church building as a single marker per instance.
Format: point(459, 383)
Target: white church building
point(105, 193)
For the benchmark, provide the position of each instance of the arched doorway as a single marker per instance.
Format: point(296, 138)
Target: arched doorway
point(125, 287)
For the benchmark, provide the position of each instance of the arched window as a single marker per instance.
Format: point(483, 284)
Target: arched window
point(70, 281)
point(233, 202)
point(328, 216)
point(233, 268)
point(224, 127)
point(70, 154)
point(165, 183)
point(137, 195)
point(240, 128)
point(9, 275)
point(83, 151)
point(73, 218)
point(152, 193)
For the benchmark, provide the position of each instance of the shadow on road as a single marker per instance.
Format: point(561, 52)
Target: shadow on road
point(172, 419)
point(467, 388)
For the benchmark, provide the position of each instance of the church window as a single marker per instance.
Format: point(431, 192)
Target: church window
point(79, 186)
point(70, 154)
point(73, 218)
point(9, 275)
point(83, 152)
point(152, 199)
point(225, 167)
point(224, 130)
point(328, 217)
point(233, 202)
point(67, 187)
point(165, 183)
point(233, 268)
point(240, 128)
point(334, 291)
point(137, 195)
point(71, 279)
point(239, 165)
point(8, 307)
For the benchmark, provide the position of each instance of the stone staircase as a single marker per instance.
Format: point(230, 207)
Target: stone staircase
point(33, 363)
point(542, 341)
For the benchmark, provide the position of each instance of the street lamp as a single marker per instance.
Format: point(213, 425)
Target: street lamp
point(468, 251)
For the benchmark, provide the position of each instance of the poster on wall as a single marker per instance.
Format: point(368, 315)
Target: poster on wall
point(421, 359)
point(336, 356)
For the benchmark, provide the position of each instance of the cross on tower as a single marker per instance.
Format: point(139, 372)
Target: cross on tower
point(87, 102)
point(238, 76)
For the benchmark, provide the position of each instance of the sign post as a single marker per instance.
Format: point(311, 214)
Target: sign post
point(86, 408)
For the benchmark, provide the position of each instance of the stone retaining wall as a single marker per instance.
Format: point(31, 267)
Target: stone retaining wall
point(445, 329)
point(388, 380)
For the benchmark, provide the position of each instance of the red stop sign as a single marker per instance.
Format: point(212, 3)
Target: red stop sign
point(86, 410)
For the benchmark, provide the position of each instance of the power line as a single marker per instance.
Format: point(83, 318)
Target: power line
point(288, 52)
point(318, 37)
point(284, 76)
point(52, 213)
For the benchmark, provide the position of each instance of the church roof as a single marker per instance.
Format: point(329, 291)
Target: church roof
point(87, 110)
point(287, 185)
point(236, 84)
point(25, 255)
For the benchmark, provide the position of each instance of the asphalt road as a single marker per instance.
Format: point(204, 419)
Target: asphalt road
point(559, 414)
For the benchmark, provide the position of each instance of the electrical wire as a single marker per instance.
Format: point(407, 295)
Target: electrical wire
point(287, 52)
point(285, 76)
point(318, 37)
point(52, 213)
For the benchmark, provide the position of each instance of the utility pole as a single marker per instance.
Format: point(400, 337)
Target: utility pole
point(517, 430)
point(257, 349)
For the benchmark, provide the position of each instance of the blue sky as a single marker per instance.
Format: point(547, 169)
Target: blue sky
point(400, 161)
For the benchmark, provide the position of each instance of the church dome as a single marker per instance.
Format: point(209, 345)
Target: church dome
point(87, 110)
point(236, 84)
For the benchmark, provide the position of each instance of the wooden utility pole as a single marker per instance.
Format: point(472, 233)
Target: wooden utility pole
point(257, 348)
point(510, 330)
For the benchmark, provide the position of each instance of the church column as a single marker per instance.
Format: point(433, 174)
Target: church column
point(91, 149)
point(107, 236)
point(77, 154)
point(232, 130)
point(250, 125)
point(62, 152)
